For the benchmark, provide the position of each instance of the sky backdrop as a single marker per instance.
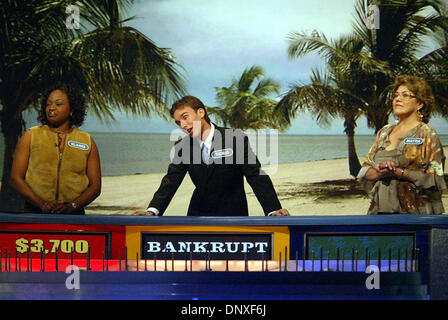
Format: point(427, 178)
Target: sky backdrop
point(215, 40)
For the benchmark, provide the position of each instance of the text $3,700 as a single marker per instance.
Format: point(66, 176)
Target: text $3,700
point(64, 246)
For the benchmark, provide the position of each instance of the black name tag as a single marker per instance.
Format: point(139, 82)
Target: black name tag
point(203, 246)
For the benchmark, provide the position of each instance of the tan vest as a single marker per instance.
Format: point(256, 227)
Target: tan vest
point(53, 175)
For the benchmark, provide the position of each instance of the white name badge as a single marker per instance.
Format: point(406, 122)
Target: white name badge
point(413, 141)
point(78, 145)
point(222, 153)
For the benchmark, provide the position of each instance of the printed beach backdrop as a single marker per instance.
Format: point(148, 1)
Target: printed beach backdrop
point(311, 178)
point(317, 70)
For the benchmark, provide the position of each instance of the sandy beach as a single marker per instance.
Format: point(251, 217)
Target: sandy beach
point(322, 187)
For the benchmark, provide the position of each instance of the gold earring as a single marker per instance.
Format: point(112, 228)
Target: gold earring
point(419, 115)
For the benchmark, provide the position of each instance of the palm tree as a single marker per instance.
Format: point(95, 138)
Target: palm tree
point(398, 42)
point(365, 63)
point(434, 65)
point(118, 67)
point(340, 91)
point(245, 104)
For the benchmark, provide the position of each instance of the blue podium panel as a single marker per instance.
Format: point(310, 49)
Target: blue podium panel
point(343, 257)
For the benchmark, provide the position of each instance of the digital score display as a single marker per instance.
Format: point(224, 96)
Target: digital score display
point(51, 243)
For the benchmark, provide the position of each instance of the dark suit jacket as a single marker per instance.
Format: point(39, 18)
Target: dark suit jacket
point(220, 185)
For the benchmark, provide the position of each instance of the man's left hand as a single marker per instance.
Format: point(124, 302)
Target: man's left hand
point(281, 212)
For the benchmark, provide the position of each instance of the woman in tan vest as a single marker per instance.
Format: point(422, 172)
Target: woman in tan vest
point(56, 166)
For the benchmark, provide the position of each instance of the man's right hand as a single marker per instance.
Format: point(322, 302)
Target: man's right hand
point(142, 213)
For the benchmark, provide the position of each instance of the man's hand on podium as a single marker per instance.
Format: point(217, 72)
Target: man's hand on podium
point(142, 213)
point(280, 212)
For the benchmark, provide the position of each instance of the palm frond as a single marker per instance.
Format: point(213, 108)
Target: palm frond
point(246, 104)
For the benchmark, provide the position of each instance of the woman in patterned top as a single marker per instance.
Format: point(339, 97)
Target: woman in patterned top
point(406, 161)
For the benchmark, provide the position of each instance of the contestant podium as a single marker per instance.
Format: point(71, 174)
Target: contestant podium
point(307, 257)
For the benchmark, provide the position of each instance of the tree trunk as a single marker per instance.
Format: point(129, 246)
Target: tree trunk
point(380, 124)
point(382, 118)
point(12, 128)
point(353, 160)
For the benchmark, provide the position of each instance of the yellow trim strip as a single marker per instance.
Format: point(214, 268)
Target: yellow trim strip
point(280, 235)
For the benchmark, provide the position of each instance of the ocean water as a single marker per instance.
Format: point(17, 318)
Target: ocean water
point(150, 153)
point(141, 153)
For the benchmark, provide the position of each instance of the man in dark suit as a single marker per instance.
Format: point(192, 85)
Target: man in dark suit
point(216, 159)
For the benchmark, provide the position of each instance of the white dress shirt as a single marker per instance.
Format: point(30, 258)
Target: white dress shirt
point(208, 143)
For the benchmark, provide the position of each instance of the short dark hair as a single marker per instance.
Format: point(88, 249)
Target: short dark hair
point(76, 99)
point(422, 91)
point(192, 102)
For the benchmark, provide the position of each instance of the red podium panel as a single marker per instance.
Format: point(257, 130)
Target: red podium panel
point(63, 240)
